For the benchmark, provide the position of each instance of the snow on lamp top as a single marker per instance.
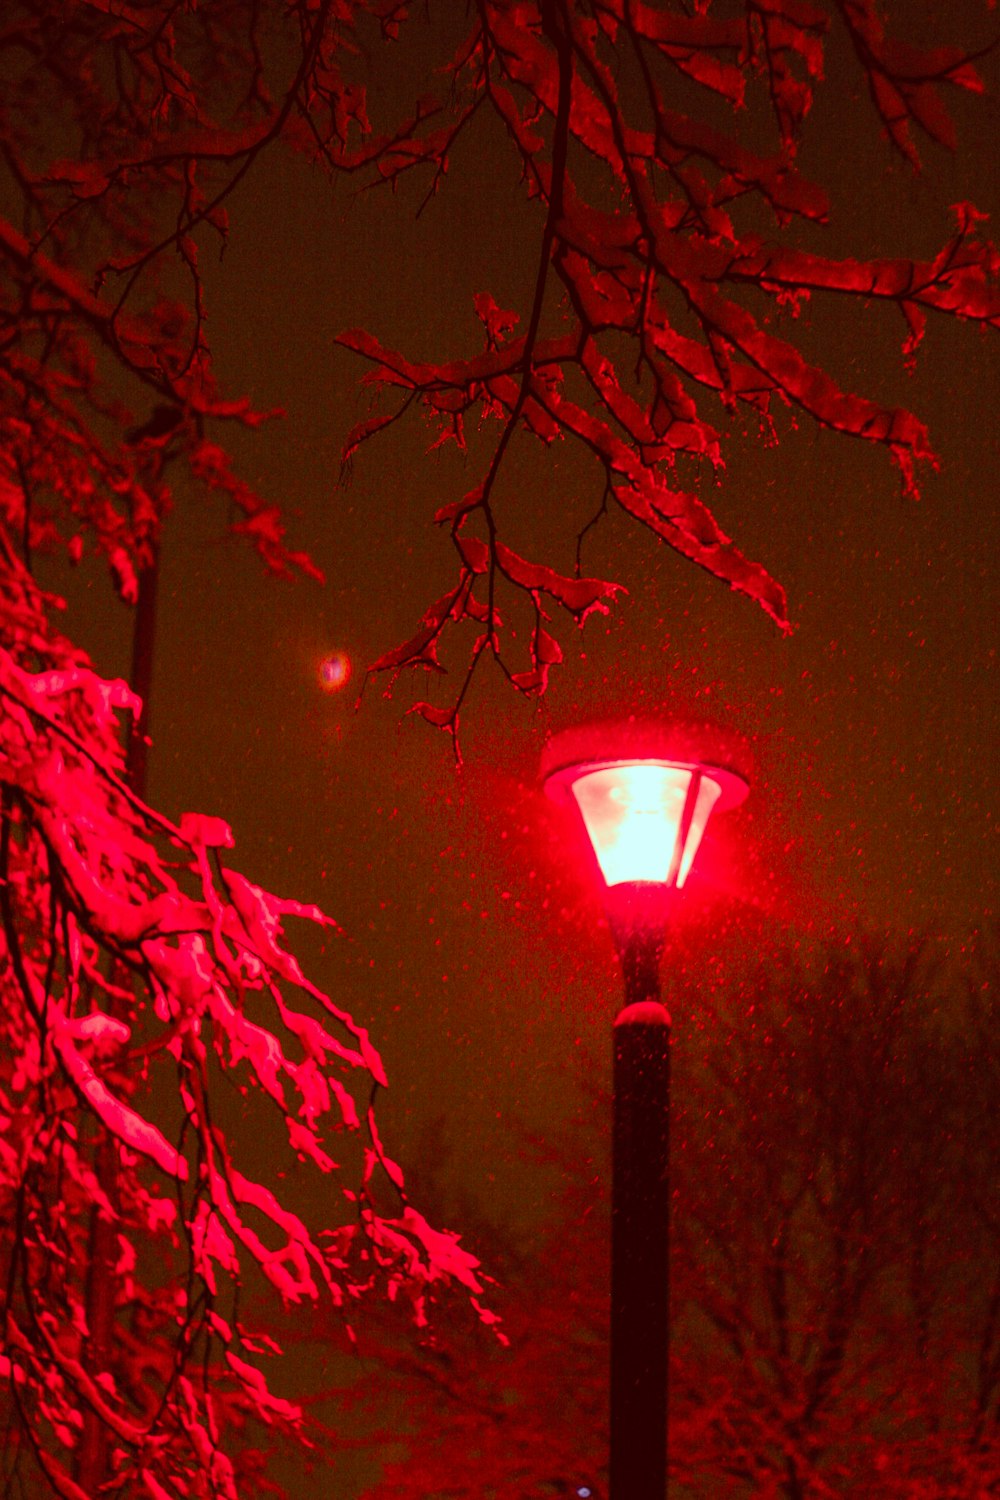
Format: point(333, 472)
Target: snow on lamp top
point(645, 816)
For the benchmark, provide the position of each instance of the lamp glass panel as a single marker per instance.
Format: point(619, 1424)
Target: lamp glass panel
point(632, 814)
point(708, 794)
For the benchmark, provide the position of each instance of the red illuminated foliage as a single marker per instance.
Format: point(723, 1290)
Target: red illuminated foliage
point(834, 1264)
point(669, 262)
point(662, 253)
point(137, 968)
point(140, 976)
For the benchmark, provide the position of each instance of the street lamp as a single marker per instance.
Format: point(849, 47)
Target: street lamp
point(644, 794)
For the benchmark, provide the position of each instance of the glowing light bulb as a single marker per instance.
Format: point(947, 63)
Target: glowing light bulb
point(637, 814)
point(633, 814)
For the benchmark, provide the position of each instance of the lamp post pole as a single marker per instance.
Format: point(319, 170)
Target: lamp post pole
point(640, 1225)
point(644, 793)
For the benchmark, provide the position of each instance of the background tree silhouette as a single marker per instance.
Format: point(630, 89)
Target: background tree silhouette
point(833, 1262)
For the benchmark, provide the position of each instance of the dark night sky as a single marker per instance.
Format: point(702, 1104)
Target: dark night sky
point(473, 952)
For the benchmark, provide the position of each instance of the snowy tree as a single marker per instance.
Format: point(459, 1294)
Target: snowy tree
point(671, 264)
point(140, 973)
point(834, 1263)
point(664, 257)
point(138, 968)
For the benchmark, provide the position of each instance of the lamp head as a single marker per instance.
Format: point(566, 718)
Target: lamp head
point(645, 802)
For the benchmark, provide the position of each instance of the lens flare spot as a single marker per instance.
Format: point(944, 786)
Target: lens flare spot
point(334, 671)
